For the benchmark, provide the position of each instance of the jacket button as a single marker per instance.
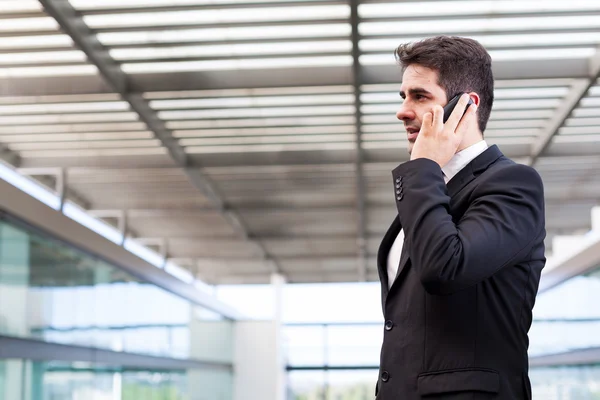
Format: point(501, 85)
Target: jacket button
point(389, 325)
point(385, 376)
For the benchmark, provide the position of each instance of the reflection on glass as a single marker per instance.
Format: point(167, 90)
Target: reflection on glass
point(53, 292)
point(582, 382)
point(567, 317)
point(332, 385)
point(351, 344)
point(20, 379)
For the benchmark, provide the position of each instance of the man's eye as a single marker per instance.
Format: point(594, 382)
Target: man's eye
point(419, 97)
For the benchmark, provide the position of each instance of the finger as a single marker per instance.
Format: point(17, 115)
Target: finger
point(457, 113)
point(427, 121)
point(469, 120)
point(438, 118)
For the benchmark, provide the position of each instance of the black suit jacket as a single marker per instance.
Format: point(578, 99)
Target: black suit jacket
point(458, 313)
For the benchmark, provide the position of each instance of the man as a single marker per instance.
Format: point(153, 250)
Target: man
point(461, 263)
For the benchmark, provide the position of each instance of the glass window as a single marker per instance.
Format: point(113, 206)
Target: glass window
point(332, 385)
point(22, 379)
point(580, 382)
point(53, 292)
point(567, 317)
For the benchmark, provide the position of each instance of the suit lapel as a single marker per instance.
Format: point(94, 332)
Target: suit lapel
point(472, 170)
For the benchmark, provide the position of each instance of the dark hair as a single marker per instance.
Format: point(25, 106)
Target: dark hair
point(463, 65)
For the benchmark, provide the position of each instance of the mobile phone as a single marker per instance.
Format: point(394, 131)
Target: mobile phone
point(452, 103)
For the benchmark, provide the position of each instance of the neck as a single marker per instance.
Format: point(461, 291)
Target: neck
point(470, 139)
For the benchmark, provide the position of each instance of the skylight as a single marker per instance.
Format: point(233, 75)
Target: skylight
point(65, 137)
point(93, 152)
point(227, 122)
point(66, 118)
point(224, 16)
point(257, 112)
point(480, 7)
point(65, 70)
point(40, 58)
point(224, 34)
point(66, 98)
point(21, 42)
point(218, 65)
point(16, 6)
point(274, 91)
point(27, 128)
point(252, 101)
point(271, 148)
point(75, 145)
point(28, 24)
point(52, 108)
point(251, 49)
point(268, 140)
point(478, 25)
point(117, 4)
point(291, 130)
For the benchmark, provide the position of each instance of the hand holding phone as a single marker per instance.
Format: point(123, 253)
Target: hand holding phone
point(438, 140)
point(448, 108)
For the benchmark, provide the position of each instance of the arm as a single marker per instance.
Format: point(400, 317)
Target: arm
point(500, 227)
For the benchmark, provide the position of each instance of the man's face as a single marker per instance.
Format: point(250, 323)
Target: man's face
point(420, 92)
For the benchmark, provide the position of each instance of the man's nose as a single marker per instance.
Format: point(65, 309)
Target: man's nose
point(404, 113)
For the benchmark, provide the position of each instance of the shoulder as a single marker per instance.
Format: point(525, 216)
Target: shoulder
point(506, 170)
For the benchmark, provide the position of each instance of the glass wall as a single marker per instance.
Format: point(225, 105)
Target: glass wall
point(329, 385)
point(65, 381)
point(53, 292)
point(338, 344)
point(567, 317)
point(566, 383)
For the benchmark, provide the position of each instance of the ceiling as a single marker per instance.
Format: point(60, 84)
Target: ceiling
point(241, 138)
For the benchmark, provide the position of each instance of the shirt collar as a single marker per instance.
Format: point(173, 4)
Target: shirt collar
point(462, 158)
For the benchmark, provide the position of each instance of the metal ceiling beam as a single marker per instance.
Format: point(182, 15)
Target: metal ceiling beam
point(362, 257)
point(9, 156)
point(578, 91)
point(72, 23)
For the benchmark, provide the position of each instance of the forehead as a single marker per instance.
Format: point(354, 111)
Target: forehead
point(419, 76)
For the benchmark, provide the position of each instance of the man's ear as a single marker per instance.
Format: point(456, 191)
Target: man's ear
point(475, 97)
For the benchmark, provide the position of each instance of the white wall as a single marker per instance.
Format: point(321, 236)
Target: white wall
point(258, 361)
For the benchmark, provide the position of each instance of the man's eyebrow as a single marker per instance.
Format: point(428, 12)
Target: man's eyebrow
point(415, 91)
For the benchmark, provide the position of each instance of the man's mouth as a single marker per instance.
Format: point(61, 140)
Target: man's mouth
point(412, 134)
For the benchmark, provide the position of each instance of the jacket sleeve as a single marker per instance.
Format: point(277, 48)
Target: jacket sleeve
point(503, 222)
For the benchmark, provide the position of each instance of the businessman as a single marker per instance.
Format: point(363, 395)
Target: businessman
point(461, 262)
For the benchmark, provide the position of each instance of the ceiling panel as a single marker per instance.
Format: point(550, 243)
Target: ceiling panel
point(262, 98)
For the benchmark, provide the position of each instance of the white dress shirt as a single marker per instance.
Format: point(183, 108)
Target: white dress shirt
point(458, 162)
